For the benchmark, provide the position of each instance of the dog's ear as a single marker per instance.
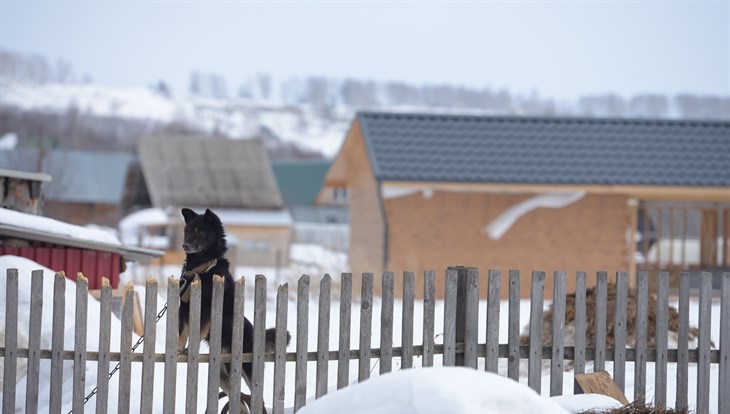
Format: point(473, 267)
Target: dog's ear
point(188, 214)
point(211, 216)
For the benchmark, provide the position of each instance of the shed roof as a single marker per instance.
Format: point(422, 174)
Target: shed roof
point(77, 176)
point(531, 150)
point(215, 173)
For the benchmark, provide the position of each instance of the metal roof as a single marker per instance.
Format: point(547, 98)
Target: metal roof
point(300, 181)
point(193, 171)
point(530, 150)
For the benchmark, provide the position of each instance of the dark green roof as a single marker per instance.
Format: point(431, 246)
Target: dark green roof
point(300, 181)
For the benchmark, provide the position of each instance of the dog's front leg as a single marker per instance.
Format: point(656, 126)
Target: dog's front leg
point(182, 339)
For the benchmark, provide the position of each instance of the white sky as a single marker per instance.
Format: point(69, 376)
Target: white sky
point(559, 49)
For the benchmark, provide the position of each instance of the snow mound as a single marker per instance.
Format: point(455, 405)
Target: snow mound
point(435, 390)
point(579, 403)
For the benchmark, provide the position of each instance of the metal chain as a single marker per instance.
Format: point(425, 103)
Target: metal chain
point(114, 371)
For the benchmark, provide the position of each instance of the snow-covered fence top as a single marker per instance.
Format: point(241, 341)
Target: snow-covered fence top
point(609, 322)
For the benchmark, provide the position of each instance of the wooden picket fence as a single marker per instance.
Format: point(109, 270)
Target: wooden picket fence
point(460, 342)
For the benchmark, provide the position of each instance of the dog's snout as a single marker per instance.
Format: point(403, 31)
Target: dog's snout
point(186, 246)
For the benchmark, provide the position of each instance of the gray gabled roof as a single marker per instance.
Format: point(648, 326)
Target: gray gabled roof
point(529, 150)
point(208, 172)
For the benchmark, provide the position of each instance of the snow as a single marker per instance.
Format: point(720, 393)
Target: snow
point(51, 226)
point(8, 141)
point(435, 390)
point(130, 225)
point(584, 402)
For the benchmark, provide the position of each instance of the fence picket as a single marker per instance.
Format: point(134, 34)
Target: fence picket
point(386, 324)
point(366, 323)
point(236, 368)
point(580, 328)
point(723, 402)
point(300, 371)
point(703, 365)
point(79, 384)
point(682, 401)
point(471, 308)
point(259, 345)
point(429, 308)
point(125, 347)
point(449, 358)
point(493, 305)
point(59, 314)
point(323, 335)
point(34, 341)
point(556, 359)
point(11, 340)
point(662, 326)
point(171, 335)
point(343, 352)
point(150, 336)
point(619, 330)
point(193, 349)
point(513, 340)
point(642, 327)
point(407, 320)
point(215, 335)
point(282, 301)
point(599, 361)
point(534, 369)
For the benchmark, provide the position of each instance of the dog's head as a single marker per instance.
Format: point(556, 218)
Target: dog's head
point(202, 231)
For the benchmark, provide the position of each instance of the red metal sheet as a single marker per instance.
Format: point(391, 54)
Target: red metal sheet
point(73, 263)
point(88, 268)
point(103, 266)
point(58, 259)
point(115, 268)
point(43, 256)
point(12, 251)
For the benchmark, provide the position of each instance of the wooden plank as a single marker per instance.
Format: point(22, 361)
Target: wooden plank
point(600, 382)
point(125, 347)
point(214, 344)
point(619, 330)
point(534, 368)
point(556, 359)
point(407, 320)
point(171, 334)
point(724, 374)
point(493, 305)
point(513, 340)
point(580, 327)
point(11, 341)
point(79, 371)
point(59, 314)
point(300, 370)
point(34, 341)
point(599, 362)
point(662, 325)
point(366, 324)
point(460, 323)
point(450, 318)
point(193, 350)
point(102, 370)
point(429, 312)
point(282, 302)
point(703, 366)
point(150, 336)
point(236, 369)
point(323, 335)
point(259, 345)
point(386, 324)
point(343, 362)
point(640, 334)
point(471, 328)
point(682, 401)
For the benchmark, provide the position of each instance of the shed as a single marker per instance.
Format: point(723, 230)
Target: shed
point(231, 177)
point(429, 191)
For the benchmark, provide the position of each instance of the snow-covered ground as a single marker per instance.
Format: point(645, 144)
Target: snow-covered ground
point(26, 266)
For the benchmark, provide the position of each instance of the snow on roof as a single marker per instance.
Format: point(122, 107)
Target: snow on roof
point(255, 217)
point(59, 228)
point(435, 390)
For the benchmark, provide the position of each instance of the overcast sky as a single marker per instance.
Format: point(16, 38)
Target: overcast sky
point(559, 49)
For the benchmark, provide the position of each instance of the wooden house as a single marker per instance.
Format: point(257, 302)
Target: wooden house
point(231, 177)
point(429, 191)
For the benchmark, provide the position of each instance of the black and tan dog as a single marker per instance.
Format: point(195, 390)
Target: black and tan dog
point(205, 248)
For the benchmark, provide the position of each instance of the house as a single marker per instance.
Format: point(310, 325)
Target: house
point(299, 182)
point(87, 186)
point(231, 177)
point(429, 191)
point(55, 244)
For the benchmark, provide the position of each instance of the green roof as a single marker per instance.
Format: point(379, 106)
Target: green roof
point(300, 181)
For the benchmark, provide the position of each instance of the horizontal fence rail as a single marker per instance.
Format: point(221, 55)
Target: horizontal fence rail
point(456, 342)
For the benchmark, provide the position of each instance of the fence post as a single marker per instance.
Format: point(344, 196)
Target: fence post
point(215, 343)
point(450, 318)
point(300, 370)
point(150, 335)
point(59, 313)
point(79, 386)
point(343, 352)
point(125, 348)
point(534, 368)
point(493, 305)
point(34, 341)
point(513, 341)
point(662, 325)
point(407, 321)
point(171, 334)
point(558, 349)
point(682, 401)
point(259, 345)
point(323, 335)
point(703, 363)
point(642, 325)
point(429, 296)
point(471, 317)
point(580, 328)
point(366, 324)
point(460, 317)
point(619, 331)
point(724, 376)
point(282, 301)
point(236, 367)
point(11, 340)
point(386, 324)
